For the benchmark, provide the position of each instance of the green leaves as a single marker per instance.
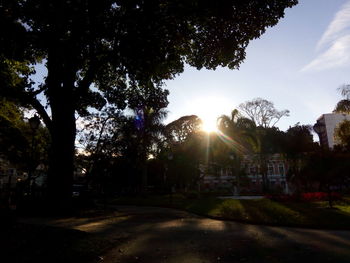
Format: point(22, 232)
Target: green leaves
point(342, 134)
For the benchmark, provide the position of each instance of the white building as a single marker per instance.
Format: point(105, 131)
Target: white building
point(326, 125)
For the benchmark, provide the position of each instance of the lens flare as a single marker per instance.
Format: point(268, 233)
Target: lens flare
point(233, 144)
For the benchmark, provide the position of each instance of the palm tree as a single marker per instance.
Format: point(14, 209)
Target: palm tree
point(241, 130)
point(343, 106)
point(238, 133)
point(148, 131)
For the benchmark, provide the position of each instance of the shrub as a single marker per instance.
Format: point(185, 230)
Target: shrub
point(192, 195)
point(305, 197)
point(320, 196)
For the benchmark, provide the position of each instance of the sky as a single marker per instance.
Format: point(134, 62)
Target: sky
point(298, 65)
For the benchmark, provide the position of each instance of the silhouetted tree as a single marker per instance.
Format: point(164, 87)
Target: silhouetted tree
point(262, 112)
point(183, 166)
point(236, 126)
point(327, 169)
point(299, 140)
point(148, 104)
point(16, 138)
point(179, 130)
point(135, 137)
point(298, 146)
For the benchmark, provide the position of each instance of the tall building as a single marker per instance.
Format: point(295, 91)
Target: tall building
point(326, 125)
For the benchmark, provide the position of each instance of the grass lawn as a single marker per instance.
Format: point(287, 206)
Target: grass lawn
point(260, 211)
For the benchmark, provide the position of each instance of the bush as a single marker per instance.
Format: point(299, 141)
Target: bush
point(283, 198)
point(192, 195)
point(320, 196)
point(305, 197)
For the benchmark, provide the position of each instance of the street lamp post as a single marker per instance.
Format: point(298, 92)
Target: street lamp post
point(34, 123)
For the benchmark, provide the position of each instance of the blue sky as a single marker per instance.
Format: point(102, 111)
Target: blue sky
point(298, 65)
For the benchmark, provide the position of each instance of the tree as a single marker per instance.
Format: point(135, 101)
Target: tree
point(180, 130)
point(343, 106)
point(262, 112)
point(237, 127)
point(239, 134)
point(342, 131)
point(13, 142)
point(111, 133)
point(148, 104)
point(268, 141)
point(299, 140)
point(110, 45)
point(16, 138)
point(186, 157)
point(342, 134)
point(298, 146)
point(328, 170)
point(259, 141)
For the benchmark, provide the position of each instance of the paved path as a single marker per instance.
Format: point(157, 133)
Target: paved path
point(242, 197)
point(146, 234)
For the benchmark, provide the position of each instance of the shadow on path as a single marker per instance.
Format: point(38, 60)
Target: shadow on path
point(148, 234)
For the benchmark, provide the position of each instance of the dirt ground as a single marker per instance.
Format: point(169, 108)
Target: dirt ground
point(150, 235)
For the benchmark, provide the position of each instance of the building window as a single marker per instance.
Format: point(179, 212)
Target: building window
point(269, 169)
point(252, 169)
point(214, 169)
point(281, 169)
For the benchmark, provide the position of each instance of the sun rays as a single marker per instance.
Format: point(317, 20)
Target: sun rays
point(208, 109)
point(209, 125)
point(234, 145)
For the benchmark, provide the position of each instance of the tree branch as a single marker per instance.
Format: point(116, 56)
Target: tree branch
point(34, 102)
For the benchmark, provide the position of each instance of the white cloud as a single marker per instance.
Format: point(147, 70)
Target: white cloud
point(335, 42)
point(336, 56)
point(336, 28)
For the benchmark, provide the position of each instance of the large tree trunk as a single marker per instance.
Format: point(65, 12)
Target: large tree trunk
point(61, 168)
point(63, 131)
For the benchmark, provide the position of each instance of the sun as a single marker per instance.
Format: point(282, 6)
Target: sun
point(208, 109)
point(209, 125)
